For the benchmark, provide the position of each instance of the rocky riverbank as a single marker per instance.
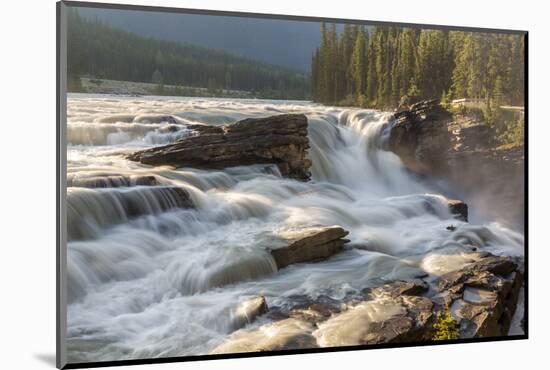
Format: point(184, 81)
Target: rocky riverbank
point(461, 149)
point(481, 297)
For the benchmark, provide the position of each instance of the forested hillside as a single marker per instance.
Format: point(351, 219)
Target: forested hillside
point(98, 50)
point(380, 67)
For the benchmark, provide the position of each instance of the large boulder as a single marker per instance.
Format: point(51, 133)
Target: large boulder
point(459, 209)
point(419, 136)
point(308, 245)
point(462, 149)
point(280, 140)
point(482, 296)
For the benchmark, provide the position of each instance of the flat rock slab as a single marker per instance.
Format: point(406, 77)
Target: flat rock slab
point(387, 320)
point(280, 140)
point(308, 245)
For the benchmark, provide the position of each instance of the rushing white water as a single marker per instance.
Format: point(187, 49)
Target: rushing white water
point(148, 277)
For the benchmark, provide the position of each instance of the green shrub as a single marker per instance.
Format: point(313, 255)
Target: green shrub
point(445, 327)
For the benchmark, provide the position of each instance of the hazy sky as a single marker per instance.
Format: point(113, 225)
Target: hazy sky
point(283, 42)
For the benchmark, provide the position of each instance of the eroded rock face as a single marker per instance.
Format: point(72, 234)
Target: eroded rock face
point(281, 140)
point(462, 150)
point(307, 245)
point(482, 296)
point(459, 208)
point(420, 137)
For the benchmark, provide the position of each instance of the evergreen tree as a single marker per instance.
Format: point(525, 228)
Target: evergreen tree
point(392, 64)
point(358, 64)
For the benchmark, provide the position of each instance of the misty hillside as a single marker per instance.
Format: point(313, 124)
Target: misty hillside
point(281, 42)
point(99, 50)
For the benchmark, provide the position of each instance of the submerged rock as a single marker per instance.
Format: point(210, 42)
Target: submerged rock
point(419, 136)
point(310, 244)
point(281, 140)
point(389, 320)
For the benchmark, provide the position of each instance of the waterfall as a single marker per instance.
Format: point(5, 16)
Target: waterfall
point(159, 258)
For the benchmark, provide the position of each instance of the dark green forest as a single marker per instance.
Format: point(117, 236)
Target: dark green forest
point(97, 50)
point(377, 67)
point(382, 67)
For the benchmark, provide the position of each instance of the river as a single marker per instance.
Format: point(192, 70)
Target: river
point(147, 278)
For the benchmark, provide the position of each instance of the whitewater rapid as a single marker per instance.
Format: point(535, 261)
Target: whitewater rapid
point(149, 277)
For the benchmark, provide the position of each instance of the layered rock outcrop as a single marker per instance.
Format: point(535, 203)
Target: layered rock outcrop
point(481, 296)
point(419, 136)
point(461, 149)
point(280, 140)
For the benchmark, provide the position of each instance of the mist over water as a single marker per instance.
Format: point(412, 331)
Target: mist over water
point(148, 277)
